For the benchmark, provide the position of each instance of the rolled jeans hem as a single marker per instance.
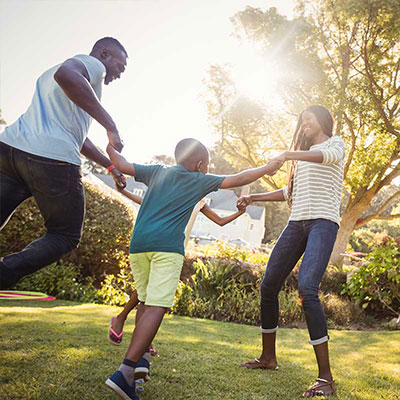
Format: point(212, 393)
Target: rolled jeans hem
point(268, 330)
point(319, 341)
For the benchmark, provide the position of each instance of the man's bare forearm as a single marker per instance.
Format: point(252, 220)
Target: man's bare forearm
point(90, 151)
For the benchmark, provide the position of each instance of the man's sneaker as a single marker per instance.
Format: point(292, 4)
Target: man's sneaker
point(142, 369)
point(118, 384)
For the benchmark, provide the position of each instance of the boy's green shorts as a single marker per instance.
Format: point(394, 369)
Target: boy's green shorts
point(156, 275)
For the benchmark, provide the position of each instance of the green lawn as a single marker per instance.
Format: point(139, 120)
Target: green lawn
point(58, 350)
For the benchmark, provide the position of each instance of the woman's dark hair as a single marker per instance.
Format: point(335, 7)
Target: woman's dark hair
point(301, 142)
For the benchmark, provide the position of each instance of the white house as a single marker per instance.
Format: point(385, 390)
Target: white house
point(248, 228)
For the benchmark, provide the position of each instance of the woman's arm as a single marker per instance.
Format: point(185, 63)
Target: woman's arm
point(221, 221)
point(276, 195)
point(301, 155)
point(134, 197)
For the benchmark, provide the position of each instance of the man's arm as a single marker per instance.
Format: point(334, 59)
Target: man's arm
point(73, 79)
point(90, 151)
point(120, 162)
point(251, 175)
point(221, 221)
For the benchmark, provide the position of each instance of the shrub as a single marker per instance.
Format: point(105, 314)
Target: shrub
point(365, 240)
point(117, 289)
point(62, 280)
point(106, 232)
point(377, 283)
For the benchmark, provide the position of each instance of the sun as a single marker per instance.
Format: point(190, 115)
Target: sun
point(255, 75)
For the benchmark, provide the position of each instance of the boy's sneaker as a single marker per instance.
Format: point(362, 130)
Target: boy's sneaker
point(142, 369)
point(118, 384)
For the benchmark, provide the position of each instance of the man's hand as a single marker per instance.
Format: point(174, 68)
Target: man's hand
point(119, 179)
point(243, 202)
point(115, 140)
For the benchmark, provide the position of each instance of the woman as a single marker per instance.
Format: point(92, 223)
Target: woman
point(315, 181)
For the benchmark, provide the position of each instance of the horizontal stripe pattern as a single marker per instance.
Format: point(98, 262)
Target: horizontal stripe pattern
point(318, 187)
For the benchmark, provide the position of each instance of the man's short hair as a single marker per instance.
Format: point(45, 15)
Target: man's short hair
point(109, 41)
point(190, 150)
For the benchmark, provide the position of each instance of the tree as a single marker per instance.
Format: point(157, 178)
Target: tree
point(346, 56)
point(163, 160)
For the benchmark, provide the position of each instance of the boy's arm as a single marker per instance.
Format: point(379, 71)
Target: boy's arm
point(221, 221)
point(90, 151)
point(73, 78)
point(120, 162)
point(134, 197)
point(276, 195)
point(251, 175)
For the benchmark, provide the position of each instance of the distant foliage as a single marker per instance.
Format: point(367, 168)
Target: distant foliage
point(224, 250)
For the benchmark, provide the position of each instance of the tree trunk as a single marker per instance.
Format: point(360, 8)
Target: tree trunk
point(347, 224)
point(343, 237)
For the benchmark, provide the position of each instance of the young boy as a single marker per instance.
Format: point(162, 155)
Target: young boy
point(117, 323)
point(157, 245)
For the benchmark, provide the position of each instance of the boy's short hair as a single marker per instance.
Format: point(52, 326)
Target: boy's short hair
point(189, 150)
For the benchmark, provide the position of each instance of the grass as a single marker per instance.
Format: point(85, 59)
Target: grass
point(58, 350)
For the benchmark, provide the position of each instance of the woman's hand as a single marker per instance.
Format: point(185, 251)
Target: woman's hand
point(281, 158)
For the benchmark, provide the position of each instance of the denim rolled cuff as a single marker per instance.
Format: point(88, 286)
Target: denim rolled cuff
point(319, 341)
point(268, 330)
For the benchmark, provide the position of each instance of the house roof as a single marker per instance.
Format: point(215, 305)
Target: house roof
point(223, 199)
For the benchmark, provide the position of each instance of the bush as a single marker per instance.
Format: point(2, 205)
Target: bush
point(376, 284)
point(106, 232)
point(365, 239)
point(117, 289)
point(62, 280)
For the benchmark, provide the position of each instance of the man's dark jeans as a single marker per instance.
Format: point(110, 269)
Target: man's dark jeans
point(315, 238)
point(58, 191)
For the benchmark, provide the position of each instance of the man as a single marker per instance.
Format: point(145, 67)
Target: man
point(40, 154)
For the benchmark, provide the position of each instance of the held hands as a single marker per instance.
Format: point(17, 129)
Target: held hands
point(243, 202)
point(115, 140)
point(119, 179)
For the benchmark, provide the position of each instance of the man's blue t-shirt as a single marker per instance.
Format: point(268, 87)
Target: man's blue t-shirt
point(54, 126)
point(166, 208)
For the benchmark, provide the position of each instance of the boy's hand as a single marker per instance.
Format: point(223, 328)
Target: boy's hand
point(275, 164)
point(243, 202)
point(119, 179)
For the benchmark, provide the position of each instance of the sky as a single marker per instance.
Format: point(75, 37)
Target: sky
point(171, 45)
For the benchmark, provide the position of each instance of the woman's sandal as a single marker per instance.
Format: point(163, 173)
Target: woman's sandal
point(258, 364)
point(321, 387)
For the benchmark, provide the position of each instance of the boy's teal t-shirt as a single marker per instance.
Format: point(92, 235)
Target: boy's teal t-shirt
point(166, 208)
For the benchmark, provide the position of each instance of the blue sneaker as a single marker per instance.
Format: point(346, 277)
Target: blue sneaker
point(142, 370)
point(118, 384)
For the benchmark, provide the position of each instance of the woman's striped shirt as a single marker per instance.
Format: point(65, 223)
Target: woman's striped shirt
point(317, 188)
